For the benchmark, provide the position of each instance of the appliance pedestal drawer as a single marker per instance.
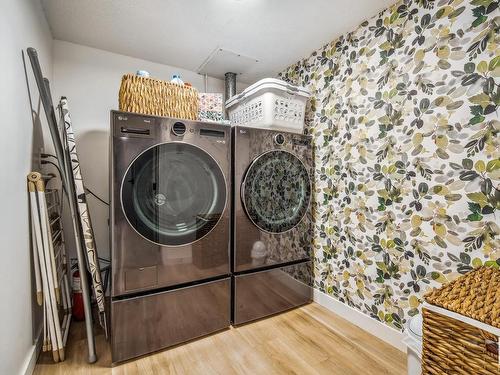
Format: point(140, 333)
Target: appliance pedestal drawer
point(144, 324)
point(264, 293)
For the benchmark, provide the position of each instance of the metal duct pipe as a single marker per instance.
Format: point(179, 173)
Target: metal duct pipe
point(230, 85)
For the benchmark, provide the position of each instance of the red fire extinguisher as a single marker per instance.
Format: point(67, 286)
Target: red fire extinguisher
point(78, 313)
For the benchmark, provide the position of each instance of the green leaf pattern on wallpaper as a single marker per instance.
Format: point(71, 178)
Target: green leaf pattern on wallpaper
point(405, 120)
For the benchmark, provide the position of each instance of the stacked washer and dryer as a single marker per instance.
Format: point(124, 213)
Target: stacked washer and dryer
point(210, 226)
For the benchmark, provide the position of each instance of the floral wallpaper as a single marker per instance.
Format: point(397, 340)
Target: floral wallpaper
point(405, 121)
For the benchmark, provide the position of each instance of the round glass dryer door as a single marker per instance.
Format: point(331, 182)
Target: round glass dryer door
point(173, 194)
point(276, 191)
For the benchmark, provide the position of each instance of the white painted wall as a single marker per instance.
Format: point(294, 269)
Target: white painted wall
point(90, 79)
point(22, 25)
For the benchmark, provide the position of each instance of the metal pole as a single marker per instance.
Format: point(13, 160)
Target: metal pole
point(70, 191)
point(229, 85)
point(205, 82)
point(229, 88)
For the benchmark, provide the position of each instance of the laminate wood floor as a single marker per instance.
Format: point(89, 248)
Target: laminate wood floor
point(307, 340)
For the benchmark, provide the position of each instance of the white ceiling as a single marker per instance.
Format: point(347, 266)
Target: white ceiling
point(184, 33)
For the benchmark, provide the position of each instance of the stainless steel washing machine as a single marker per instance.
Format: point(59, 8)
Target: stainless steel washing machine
point(272, 222)
point(170, 230)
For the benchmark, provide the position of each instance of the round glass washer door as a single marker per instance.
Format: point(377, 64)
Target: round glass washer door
point(276, 191)
point(173, 194)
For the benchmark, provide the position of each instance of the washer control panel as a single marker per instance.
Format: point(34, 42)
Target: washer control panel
point(128, 125)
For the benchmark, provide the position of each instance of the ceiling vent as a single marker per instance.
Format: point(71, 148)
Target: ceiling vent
point(221, 61)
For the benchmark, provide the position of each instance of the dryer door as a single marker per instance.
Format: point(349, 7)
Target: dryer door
point(276, 191)
point(173, 194)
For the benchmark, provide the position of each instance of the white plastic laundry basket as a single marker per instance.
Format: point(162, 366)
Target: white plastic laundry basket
point(269, 103)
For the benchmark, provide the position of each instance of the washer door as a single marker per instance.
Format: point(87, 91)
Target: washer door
point(276, 191)
point(173, 194)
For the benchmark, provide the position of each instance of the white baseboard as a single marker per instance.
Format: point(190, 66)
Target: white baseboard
point(32, 356)
point(389, 335)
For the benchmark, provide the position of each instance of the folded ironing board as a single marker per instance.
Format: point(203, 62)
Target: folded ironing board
point(88, 240)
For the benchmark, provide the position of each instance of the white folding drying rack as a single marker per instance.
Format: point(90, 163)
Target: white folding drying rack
point(54, 208)
point(69, 188)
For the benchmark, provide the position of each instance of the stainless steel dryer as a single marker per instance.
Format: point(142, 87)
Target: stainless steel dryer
point(170, 230)
point(272, 222)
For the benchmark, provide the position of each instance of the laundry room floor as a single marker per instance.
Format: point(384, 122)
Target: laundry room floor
point(307, 340)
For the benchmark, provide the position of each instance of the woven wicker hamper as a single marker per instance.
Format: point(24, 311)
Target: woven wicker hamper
point(156, 97)
point(461, 327)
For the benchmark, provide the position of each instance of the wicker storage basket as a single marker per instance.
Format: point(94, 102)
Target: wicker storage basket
point(461, 326)
point(156, 97)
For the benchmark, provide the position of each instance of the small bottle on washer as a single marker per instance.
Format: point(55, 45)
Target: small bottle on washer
point(176, 78)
